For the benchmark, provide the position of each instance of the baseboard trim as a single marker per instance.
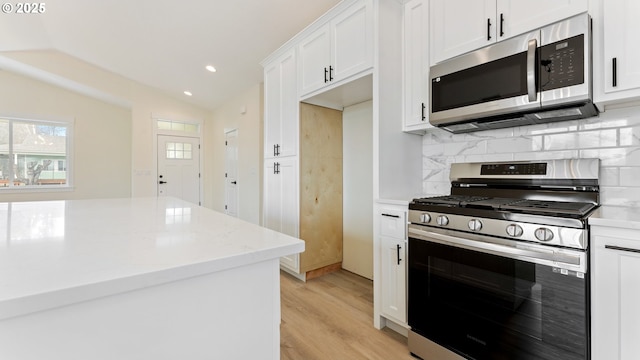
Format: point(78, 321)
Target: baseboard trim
point(323, 270)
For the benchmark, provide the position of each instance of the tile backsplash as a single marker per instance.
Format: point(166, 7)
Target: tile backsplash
point(613, 137)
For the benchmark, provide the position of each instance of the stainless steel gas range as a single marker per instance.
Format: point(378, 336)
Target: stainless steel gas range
point(499, 268)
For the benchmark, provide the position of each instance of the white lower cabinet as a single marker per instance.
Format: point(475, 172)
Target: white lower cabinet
point(393, 263)
point(416, 66)
point(615, 293)
point(281, 201)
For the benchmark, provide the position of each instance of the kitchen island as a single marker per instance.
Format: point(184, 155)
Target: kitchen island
point(137, 278)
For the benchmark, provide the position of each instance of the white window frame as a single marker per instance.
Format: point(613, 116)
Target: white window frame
point(69, 124)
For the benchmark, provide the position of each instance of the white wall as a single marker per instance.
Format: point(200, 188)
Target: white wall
point(357, 190)
point(613, 137)
point(250, 148)
point(101, 152)
point(144, 103)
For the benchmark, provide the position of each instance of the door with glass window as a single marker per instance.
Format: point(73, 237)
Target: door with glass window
point(179, 167)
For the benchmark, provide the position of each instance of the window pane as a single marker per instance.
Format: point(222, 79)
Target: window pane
point(164, 125)
point(36, 156)
point(36, 146)
point(187, 147)
point(191, 128)
point(4, 153)
point(177, 126)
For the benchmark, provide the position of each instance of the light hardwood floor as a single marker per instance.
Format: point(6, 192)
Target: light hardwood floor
point(331, 318)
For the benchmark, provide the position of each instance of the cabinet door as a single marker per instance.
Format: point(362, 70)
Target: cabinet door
point(289, 196)
point(459, 26)
point(281, 201)
point(272, 108)
point(315, 58)
point(515, 17)
point(416, 65)
point(615, 322)
point(621, 29)
point(289, 132)
point(393, 263)
point(394, 278)
point(272, 198)
point(352, 41)
point(281, 107)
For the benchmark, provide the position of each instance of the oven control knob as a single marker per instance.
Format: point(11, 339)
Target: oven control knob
point(442, 220)
point(544, 234)
point(475, 225)
point(425, 218)
point(514, 230)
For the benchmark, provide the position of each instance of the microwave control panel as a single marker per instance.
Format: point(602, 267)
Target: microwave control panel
point(562, 63)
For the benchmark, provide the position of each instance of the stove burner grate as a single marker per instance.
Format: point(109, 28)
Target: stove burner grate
point(526, 206)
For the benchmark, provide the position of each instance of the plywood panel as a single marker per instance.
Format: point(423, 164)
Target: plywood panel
point(320, 186)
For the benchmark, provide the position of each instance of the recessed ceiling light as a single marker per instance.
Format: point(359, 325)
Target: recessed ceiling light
point(188, 93)
point(210, 68)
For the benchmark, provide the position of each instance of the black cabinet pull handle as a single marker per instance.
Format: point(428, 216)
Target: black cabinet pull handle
point(614, 64)
point(488, 29)
point(613, 247)
point(424, 117)
point(234, 182)
point(162, 182)
point(275, 151)
point(398, 247)
point(330, 73)
point(393, 216)
point(325, 75)
point(501, 25)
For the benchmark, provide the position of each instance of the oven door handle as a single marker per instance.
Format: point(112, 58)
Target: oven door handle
point(545, 255)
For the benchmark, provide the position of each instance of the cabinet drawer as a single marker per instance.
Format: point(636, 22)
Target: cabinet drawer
point(393, 223)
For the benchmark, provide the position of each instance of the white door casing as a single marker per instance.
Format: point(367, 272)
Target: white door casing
point(179, 167)
point(231, 173)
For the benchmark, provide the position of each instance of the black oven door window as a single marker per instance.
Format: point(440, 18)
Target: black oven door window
point(489, 307)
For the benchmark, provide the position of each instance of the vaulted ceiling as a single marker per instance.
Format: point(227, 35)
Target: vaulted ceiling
point(166, 44)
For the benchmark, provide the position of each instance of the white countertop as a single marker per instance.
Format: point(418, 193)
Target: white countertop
point(616, 216)
point(55, 253)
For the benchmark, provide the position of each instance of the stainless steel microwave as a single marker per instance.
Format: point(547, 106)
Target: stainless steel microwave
point(538, 77)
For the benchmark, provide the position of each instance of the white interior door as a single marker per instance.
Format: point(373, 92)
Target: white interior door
point(179, 167)
point(231, 173)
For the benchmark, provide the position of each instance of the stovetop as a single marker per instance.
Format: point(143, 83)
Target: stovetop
point(453, 204)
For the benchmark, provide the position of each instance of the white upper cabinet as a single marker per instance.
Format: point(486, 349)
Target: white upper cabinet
point(616, 55)
point(458, 26)
point(517, 17)
point(281, 107)
point(338, 50)
point(416, 66)
point(315, 59)
point(483, 22)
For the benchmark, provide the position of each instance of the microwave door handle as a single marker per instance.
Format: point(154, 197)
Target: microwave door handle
point(531, 70)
